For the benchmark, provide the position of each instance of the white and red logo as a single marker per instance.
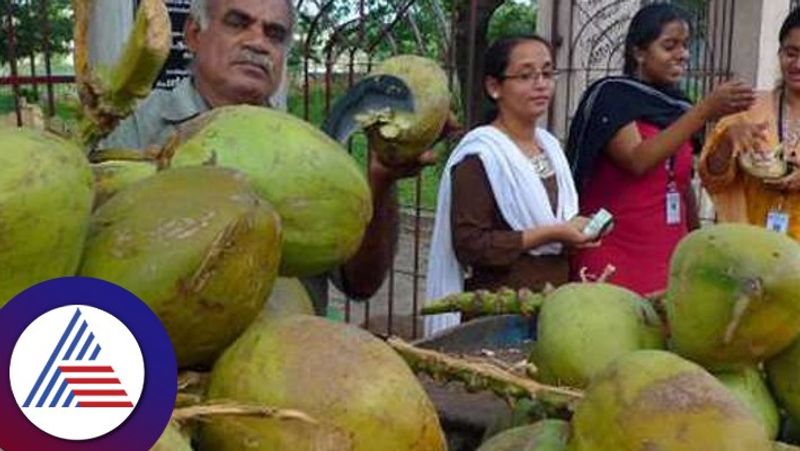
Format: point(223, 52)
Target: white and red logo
point(88, 376)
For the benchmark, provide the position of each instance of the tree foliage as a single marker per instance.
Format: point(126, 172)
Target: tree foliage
point(512, 18)
point(332, 28)
point(330, 31)
point(29, 27)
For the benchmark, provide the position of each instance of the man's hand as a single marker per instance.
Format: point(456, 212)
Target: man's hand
point(382, 174)
point(365, 272)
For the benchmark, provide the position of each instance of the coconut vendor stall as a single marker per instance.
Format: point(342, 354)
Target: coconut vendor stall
point(712, 364)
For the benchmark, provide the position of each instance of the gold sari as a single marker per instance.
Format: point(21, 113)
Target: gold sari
point(737, 196)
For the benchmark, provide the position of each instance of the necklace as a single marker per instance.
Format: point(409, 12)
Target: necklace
point(539, 161)
point(541, 165)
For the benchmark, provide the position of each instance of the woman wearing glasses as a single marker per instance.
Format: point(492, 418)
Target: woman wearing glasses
point(630, 147)
point(772, 123)
point(507, 205)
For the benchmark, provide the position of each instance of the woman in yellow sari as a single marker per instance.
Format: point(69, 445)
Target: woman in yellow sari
point(772, 123)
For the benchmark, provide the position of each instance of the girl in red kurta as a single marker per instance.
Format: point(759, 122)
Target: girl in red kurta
point(642, 241)
point(630, 148)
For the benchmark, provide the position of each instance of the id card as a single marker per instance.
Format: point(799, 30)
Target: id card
point(673, 207)
point(778, 221)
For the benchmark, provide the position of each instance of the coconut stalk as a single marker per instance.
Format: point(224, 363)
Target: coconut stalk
point(207, 411)
point(148, 155)
point(109, 94)
point(480, 376)
point(504, 301)
point(483, 302)
point(658, 300)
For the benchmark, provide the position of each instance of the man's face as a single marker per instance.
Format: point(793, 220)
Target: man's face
point(239, 57)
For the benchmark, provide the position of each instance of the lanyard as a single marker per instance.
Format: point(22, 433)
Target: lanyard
point(781, 107)
point(670, 167)
point(781, 112)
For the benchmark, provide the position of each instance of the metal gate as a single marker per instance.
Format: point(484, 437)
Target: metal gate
point(336, 51)
point(15, 12)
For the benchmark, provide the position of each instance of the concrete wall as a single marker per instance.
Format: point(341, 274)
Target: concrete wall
point(589, 37)
point(772, 13)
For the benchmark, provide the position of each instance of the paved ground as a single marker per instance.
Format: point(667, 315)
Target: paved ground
point(401, 287)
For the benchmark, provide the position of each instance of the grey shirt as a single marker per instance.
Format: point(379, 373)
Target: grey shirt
point(157, 118)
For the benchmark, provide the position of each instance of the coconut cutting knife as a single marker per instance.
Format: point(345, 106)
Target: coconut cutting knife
point(372, 94)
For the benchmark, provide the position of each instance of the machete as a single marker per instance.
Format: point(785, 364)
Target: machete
point(371, 94)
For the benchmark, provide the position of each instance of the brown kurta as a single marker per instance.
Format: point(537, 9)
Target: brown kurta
point(484, 242)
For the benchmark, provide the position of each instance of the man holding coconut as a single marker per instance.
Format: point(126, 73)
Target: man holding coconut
point(240, 49)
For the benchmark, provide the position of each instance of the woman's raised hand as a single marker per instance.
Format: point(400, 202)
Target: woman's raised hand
point(748, 137)
point(729, 97)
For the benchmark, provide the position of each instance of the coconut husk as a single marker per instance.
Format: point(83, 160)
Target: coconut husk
point(108, 95)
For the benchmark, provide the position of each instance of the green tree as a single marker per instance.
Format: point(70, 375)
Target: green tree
point(438, 29)
point(336, 27)
point(30, 28)
point(512, 18)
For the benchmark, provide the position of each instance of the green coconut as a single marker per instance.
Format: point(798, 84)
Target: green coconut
point(318, 189)
point(749, 387)
point(45, 203)
point(172, 440)
point(732, 299)
point(288, 297)
point(655, 400)
point(585, 326)
point(545, 435)
point(198, 246)
point(399, 137)
point(111, 176)
point(340, 375)
point(783, 372)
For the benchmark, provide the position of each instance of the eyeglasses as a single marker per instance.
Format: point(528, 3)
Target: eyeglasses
point(547, 76)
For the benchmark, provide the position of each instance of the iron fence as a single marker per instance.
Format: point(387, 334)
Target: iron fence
point(350, 47)
point(16, 81)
